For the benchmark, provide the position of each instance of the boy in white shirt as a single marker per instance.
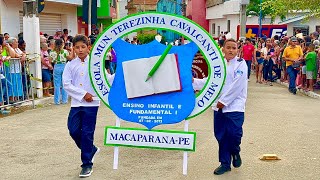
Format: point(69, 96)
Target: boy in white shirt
point(83, 114)
point(230, 107)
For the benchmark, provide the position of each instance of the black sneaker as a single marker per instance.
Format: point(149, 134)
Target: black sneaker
point(85, 172)
point(221, 170)
point(236, 160)
point(95, 153)
point(294, 91)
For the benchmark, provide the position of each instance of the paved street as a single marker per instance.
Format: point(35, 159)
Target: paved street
point(36, 145)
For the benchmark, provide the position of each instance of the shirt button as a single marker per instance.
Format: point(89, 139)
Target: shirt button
point(80, 84)
point(81, 74)
point(82, 64)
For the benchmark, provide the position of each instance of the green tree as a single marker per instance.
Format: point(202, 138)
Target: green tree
point(253, 9)
point(280, 8)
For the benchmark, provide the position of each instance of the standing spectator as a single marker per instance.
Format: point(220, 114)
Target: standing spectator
point(22, 45)
point(134, 40)
point(314, 36)
point(113, 64)
point(15, 69)
point(108, 62)
point(311, 67)
point(292, 55)
point(59, 57)
point(228, 35)
point(58, 34)
point(259, 63)
point(6, 37)
point(299, 34)
point(248, 54)
point(65, 35)
point(46, 68)
point(284, 42)
point(51, 45)
point(4, 84)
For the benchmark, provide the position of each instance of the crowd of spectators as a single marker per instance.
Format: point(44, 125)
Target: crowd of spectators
point(294, 60)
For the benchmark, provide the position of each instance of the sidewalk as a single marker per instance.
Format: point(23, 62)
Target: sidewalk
point(315, 95)
point(11, 110)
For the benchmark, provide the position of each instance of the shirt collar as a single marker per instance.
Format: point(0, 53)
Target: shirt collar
point(231, 61)
point(85, 60)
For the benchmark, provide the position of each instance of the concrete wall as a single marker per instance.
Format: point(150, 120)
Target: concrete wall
point(199, 13)
point(10, 15)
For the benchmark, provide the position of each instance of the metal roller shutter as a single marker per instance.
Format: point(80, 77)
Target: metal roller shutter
point(49, 23)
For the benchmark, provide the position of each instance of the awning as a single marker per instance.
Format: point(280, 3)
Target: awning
point(291, 20)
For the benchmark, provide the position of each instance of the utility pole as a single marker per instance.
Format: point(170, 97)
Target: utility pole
point(89, 18)
point(260, 20)
point(31, 30)
point(243, 17)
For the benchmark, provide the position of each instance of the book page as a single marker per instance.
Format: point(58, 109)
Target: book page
point(166, 78)
point(135, 73)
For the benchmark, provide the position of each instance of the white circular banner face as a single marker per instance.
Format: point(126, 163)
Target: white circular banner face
point(178, 24)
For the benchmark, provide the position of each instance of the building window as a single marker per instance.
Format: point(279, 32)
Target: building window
point(218, 30)
point(228, 26)
point(213, 28)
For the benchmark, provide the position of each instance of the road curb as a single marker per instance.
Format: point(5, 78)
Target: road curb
point(301, 91)
point(40, 101)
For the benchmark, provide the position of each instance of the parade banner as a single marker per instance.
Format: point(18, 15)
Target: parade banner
point(160, 102)
point(153, 82)
point(156, 139)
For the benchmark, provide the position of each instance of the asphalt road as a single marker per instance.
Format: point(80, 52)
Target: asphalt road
point(35, 144)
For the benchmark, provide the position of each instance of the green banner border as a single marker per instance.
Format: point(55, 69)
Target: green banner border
point(150, 147)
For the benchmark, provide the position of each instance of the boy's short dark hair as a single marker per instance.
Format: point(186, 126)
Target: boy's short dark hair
point(229, 40)
point(80, 38)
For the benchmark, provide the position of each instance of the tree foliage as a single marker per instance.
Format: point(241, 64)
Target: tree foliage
point(283, 7)
point(253, 9)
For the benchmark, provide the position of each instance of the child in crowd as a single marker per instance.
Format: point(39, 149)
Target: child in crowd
point(46, 68)
point(59, 57)
point(311, 67)
point(84, 105)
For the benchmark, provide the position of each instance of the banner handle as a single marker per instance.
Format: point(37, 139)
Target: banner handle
point(185, 153)
point(116, 149)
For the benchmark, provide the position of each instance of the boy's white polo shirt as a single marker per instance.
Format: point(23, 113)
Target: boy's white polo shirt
point(76, 82)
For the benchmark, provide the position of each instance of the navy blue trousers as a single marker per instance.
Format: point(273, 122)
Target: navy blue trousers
point(228, 132)
point(81, 125)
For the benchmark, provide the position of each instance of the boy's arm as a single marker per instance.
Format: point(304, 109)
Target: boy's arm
point(198, 84)
point(236, 87)
point(110, 78)
point(72, 90)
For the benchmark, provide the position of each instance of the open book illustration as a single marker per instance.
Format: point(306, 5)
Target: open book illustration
point(165, 79)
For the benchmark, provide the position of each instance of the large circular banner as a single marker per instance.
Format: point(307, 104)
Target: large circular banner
point(153, 82)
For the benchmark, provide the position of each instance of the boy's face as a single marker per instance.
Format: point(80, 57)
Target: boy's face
point(230, 50)
point(81, 49)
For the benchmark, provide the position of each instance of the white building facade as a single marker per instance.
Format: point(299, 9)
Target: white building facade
point(225, 16)
point(57, 14)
